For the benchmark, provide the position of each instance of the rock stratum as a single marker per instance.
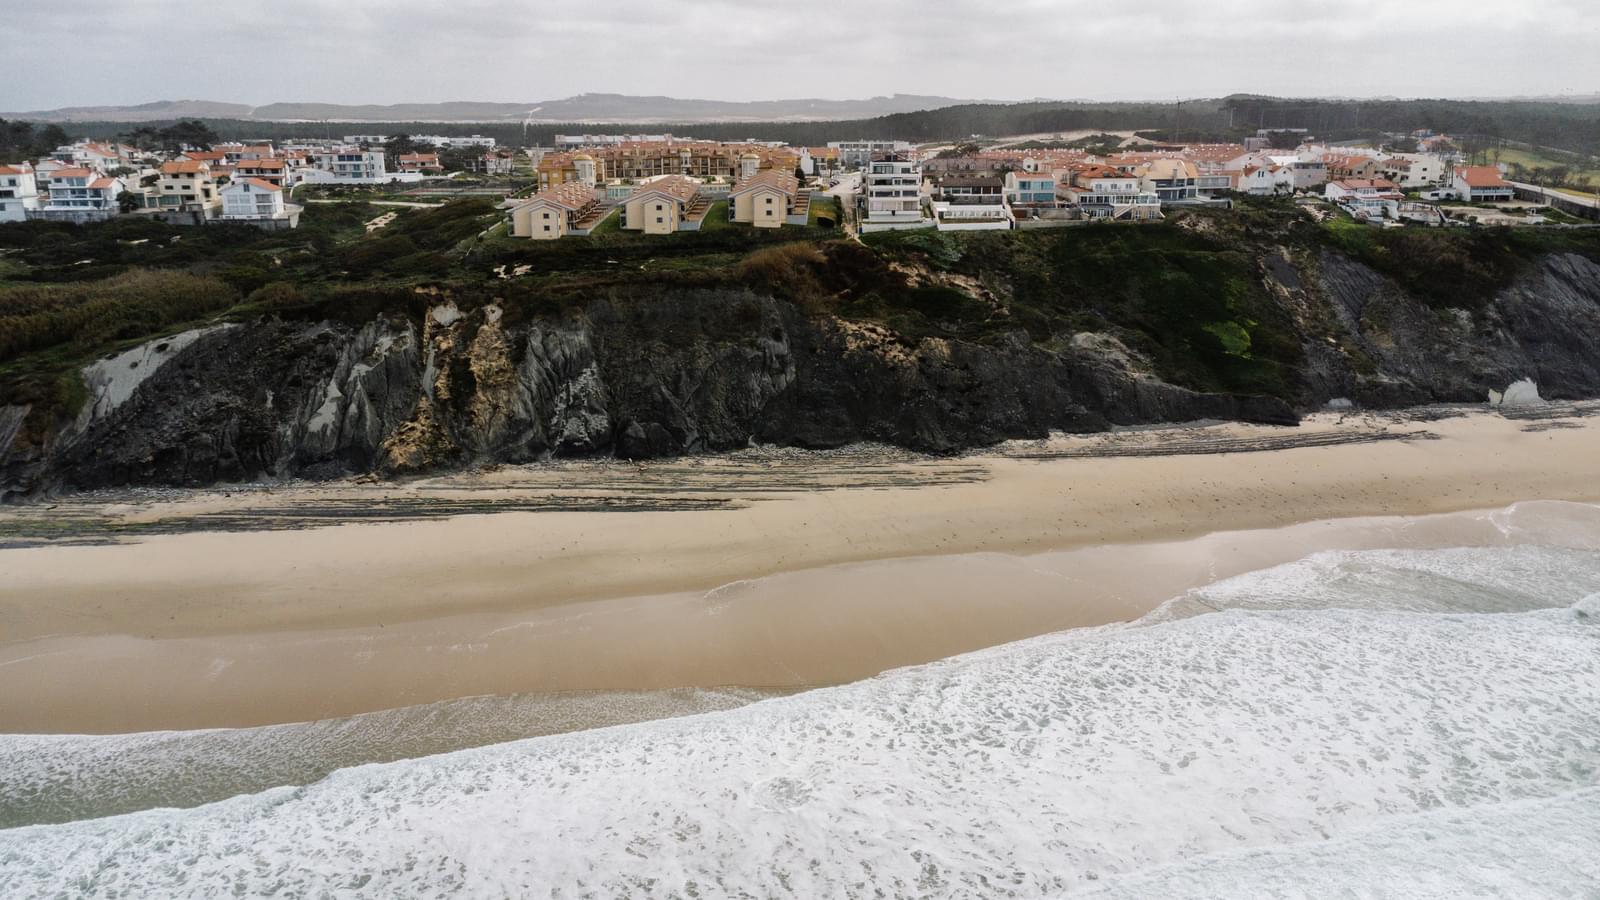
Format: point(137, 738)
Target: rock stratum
point(707, 370)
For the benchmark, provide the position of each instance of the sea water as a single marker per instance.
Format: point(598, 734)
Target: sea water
point(1407, 723)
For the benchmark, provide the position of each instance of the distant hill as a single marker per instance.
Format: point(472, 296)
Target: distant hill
point(607, 108)
point(161, 110)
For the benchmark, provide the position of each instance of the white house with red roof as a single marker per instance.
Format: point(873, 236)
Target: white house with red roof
point(19, 192)
point(1481, 184)
point(254, 201)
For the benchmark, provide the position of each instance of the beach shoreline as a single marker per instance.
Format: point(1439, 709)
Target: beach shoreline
point(905, 561)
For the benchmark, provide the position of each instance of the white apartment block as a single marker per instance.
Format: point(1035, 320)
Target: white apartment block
point(449, 142)
point(19, 192)
point(352, 165)
point(891, 188)
point(260, 203)
point(80, 195)
point(856, 154)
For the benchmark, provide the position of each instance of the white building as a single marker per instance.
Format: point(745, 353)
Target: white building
point(352, 165)
point(257, 202)
point(856, 154)
point(1415, 170)
point(448, 142)
point(891, 188)
point(1372, 198)
point(80, 195)
point(1267, 181)
point(1116, 197)
point(19, 192)
point(1481, 184)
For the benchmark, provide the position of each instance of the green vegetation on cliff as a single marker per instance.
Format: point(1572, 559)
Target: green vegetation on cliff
point(1191, 299)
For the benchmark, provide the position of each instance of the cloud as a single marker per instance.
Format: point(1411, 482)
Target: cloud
point(386, 51)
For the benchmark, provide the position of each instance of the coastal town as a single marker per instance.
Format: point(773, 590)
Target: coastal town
point(661, 183)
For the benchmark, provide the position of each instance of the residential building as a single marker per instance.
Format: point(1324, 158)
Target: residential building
point(1369, 198)
point(353, 165)
point(891, 187)
point(555, 169)
point(1267, 181)
point(80, 195)
point(819, 161)
point(1099, 192)
point(1345, 167)
point(857, 154)
point(696, 159)
point(260, 203)
point(451, 142)
point(272, 171)
point(768, 198)
point(426, 163)
point(495, 162)
point(664, 205)
point(186, 186)
point(970, 189)
point(580, 141)
point(1172, 179)
point(557, 212)
point(1414, 170)
point(1031, 189)
point(19, 192)
point(1481, 184)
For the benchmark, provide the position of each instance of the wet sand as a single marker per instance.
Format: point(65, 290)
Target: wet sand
point(802, 572)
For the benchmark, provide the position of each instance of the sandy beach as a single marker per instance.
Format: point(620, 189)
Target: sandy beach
point(779, 571)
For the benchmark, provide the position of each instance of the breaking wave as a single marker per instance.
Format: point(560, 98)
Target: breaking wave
point(1418, 723)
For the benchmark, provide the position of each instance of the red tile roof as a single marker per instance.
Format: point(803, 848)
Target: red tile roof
point(1481, 177)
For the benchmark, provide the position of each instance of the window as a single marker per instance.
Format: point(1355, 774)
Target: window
point(547, 227)
point(659, 220)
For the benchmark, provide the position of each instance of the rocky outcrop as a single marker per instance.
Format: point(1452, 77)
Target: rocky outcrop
point(1390, 349)
point(694, 371)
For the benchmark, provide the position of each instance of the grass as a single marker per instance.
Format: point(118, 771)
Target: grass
point(1531, 159)
point(716, 217)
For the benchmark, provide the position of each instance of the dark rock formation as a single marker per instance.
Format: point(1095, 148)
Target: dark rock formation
point(703, 371)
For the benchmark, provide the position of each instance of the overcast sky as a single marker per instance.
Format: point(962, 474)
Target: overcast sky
point(94, 52)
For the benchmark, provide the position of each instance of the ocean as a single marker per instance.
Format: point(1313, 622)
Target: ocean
point(1361, 723)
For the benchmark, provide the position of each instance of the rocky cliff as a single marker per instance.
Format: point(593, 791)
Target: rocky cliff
point(696, 371)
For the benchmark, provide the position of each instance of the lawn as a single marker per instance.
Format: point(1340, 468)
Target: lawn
point(716, 217)
point(1530, 159)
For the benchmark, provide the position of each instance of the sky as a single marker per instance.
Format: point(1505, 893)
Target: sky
point(94, 52)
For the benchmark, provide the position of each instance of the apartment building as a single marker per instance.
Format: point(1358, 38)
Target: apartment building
point(186, 186)
point(891, 191)
point(273, 171)
point(768, 198)
point(19, 192)
point(353, 165)
point(1267, 181)
point(857, 154)
point(1030, 189)
point(664, 205)
point(80, 195)
point(452, 142)
point(562, 210)
point(1100, 192)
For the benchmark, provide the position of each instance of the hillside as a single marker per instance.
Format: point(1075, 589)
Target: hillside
point(610, 108)
point(234, 355)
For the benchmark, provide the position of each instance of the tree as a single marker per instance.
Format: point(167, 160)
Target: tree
point(128, 201)
point(187, 133)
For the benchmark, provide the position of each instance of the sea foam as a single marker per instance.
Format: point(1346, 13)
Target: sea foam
point(1296, 742)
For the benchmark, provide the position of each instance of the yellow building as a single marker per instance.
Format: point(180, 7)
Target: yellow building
point(764, 199)
point(554, 213)
point(187, 185)
point(660, 206)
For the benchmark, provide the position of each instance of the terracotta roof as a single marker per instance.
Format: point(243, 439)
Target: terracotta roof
point(768, 178)
point(73, 173)
point(259, 164)
point(12, 170)
point(100, 183)
point(675, 186)
point(1481, 177)
point(180, 166)
point(264, 185)
point(571, 195)
point(1381, 184)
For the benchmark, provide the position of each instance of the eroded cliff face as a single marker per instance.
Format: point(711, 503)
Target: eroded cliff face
point(704, 371)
